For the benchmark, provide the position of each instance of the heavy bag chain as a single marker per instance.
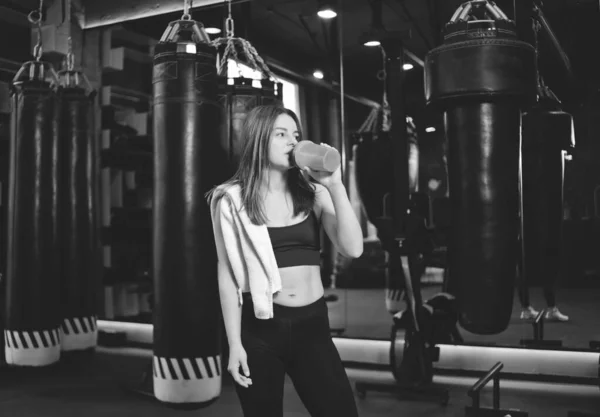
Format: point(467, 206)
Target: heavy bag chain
point(187, 6)
point(464, 11)
point(231, 42)
point(37, 69)
point(370, 123)
point(386, 111)
point(70, 77)
point(544, 92)
point(35, 18)
point(70, 58)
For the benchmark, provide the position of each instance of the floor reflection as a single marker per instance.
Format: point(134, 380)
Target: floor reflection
point(361, 313)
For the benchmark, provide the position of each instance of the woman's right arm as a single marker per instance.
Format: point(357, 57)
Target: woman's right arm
point(230, 305)
point(232, 317)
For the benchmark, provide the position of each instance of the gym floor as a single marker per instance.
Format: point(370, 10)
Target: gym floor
point(91, 386)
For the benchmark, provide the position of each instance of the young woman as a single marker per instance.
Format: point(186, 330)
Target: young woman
point(296, 339)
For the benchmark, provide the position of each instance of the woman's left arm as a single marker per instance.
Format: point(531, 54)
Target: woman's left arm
point(339, 220)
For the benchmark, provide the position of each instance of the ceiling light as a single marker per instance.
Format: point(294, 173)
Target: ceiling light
point(326, 10)
point(407, 66)
point(327, 13)
point(372, 43)
point(318, 74)
point(213, 31)
point(430, 129)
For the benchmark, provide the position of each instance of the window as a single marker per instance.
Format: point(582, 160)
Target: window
point(291, 98)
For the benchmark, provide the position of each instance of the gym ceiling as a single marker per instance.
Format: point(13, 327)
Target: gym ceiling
point(291, 33)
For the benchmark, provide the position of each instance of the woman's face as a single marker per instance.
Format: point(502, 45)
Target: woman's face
point(284, 137)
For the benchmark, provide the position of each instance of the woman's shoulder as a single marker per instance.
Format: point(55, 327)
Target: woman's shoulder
point(229, 192)
point(215, 196)
point(226, 188)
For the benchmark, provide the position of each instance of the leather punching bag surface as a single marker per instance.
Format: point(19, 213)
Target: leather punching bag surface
point(78, 234)
point(546, 133)
point(236, 101)
point(479, 78)
point(32, 332)
point(187, 361)
point(374, 175)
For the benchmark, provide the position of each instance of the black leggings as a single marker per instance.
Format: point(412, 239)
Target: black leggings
point(297, 341)
point(523, 286)
point(548, 295)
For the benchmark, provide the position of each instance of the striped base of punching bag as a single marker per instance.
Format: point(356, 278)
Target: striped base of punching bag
point(187, 380)
point(32, 348)
point(79, 333)
point(393, 300)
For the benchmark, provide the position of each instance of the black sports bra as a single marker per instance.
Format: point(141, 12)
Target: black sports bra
point(297, 244)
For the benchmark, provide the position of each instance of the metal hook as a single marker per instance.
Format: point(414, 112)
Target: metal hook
point(187, 5)
point(35, 16)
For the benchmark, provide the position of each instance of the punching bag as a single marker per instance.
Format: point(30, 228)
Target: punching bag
point(78, 194)
point(33, 319)
point(374, 177)
point(187, 361)
point(479, 78)
point(236, 101)
point(547, 131)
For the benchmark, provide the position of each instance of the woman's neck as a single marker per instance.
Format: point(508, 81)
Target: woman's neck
point(276, 182)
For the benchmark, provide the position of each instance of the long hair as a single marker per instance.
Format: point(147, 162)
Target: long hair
point(254, 163)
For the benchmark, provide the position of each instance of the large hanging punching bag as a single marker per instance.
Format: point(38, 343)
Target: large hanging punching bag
point(547, 132)
point(374, 176)
point(78, 193)
point(187, 361)
point(237, 99)
point(480, 77)
point(32, 331)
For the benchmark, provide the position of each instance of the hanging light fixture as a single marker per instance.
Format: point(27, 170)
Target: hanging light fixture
point(376, 30)
point(326, 10)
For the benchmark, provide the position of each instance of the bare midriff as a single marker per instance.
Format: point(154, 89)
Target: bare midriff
point(301, 285)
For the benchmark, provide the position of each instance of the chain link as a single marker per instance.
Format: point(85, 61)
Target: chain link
point(229, 23)
point(229, 27)
point(70, 55)
point(385, 105)
point(35, 18)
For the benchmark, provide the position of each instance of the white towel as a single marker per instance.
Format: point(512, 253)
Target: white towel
point(248, 249)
